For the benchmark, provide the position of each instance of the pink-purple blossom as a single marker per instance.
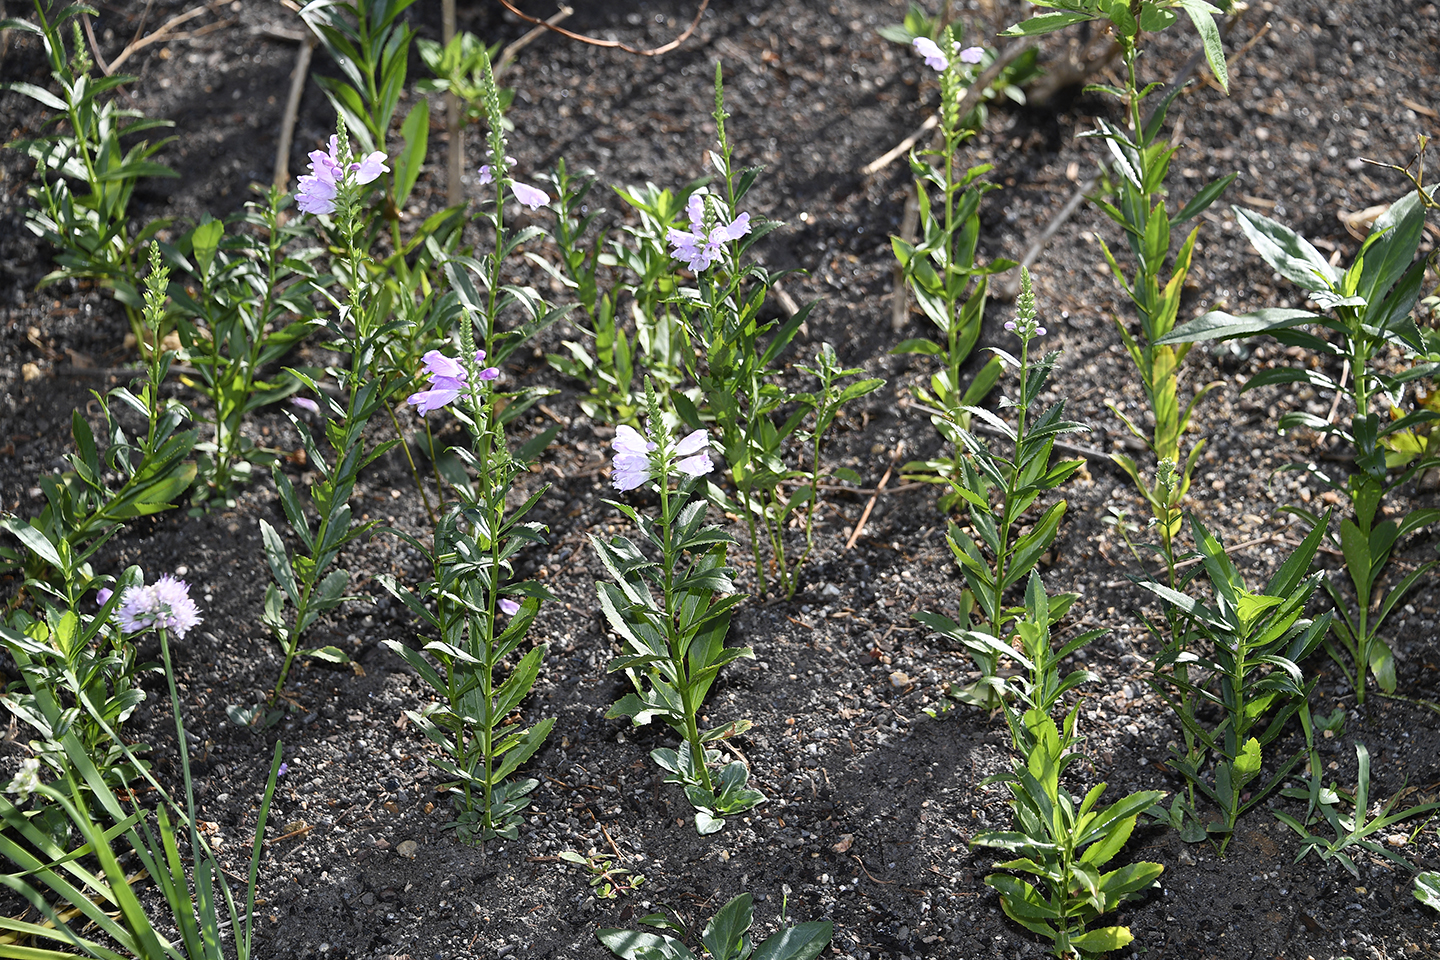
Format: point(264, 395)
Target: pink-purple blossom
point(318, 190)
point(698, 248)
point(103, 595)
point(509, 607)
point(448, 380)
point(305, 403)
point(532, 197)
point(930, 50)
point(163, 605)
point(487, 174)
point(633, 463)
point(972, 54)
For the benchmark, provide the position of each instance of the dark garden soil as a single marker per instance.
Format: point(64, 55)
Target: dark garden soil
point(872, 802)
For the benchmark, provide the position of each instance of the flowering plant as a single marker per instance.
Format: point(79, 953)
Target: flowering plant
point(329, 171)
point(674, 646)
point(996, 491)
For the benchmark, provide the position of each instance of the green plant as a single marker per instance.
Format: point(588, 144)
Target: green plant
point(941, 271)
point(674, 643)
point(1351, 833)
point(117, 836)
point(85, 175)
point(639, 272)
point(1238, 655)
point(736, 349)
point(82, 507)
point(240, 323)
point(725, 937)
point(821, 406)
point(86, 671)
point(1065, 844)
point(1369, 307)
point(1427, 889)
point(1141, 164)
point(607, 879)
point(998, 492)
point(472, 722)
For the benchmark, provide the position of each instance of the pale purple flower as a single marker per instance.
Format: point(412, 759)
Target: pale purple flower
point(448, 380)
point(633, 464)
point(699, 249)
point(532, 197)
point(305, 403)
point(1040, 331)
point(632, 458)
point(369, 168)
point(103, 595)
point(487, 174)
point(930, 50)
point(163, 605)
point(972, 54)
point(317, 190)
point(1010, 325)
point(509, 607)
point(284, 769)
point(695, 451)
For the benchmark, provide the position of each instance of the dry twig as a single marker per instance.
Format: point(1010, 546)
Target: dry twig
point(594, 42)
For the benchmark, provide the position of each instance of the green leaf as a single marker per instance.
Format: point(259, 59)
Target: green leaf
point(1218, 325)
point(1289, 253)
point(1046, 23)
point(804, 941)
point(327, 653)
point(411, 159)
point(918, 345)
point(1102, 940)
point(1427, 889)
point(723, 934)
point(1203, 16)
point(637, 945)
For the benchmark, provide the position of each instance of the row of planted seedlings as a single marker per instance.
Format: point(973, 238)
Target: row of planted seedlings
point(699, 359)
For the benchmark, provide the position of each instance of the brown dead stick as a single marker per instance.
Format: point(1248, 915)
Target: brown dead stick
point(594, 42)
point(292, 110)
point(161, 34)
point(869, 506)
point(507, 56)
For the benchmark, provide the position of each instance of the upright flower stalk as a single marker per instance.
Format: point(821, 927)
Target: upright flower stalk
point(673, 647)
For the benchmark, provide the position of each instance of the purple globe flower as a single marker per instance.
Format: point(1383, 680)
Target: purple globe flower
point(163, 605)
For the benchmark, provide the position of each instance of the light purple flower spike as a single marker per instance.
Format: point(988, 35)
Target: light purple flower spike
point(972, 54)
point(448, 380)
point(163, 605)
point(697, 248)
point(317, 190)
point(633, 465)
point(930, 50)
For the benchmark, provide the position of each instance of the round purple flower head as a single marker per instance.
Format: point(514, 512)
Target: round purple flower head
point(163, 605)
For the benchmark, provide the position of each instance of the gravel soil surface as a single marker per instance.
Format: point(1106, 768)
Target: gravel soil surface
point(872, 802)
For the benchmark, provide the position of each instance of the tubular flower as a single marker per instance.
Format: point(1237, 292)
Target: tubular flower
point(317, 191)
point(448, 380)
point(699, 248)
point(972, 54)
point(163, 605)
point(532, 197)
point(634, 464)
point(930, 50)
